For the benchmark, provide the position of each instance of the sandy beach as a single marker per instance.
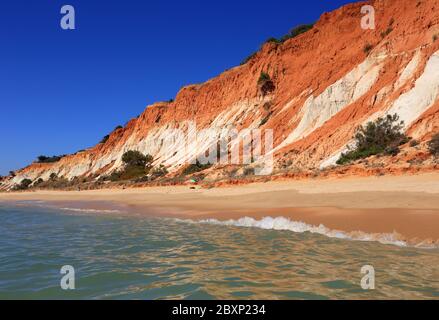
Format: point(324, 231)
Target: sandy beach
point(406, 205)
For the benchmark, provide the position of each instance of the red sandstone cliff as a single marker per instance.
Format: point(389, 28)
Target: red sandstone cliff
point(326, 84)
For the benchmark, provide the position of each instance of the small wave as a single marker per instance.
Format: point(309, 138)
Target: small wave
point(90, 210)
point(285, 224)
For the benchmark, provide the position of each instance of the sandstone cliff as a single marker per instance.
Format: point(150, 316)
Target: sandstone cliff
point(326, 84)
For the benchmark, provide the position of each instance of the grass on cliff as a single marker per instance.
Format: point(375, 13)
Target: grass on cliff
point(298, 30)
point(383, 136)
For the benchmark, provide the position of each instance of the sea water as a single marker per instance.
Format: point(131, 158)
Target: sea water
point(128, 256)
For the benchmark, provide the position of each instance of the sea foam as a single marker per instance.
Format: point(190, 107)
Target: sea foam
point(285, 224)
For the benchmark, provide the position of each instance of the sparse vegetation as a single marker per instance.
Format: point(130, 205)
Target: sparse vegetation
point(137, 165)
point(135, 158)
point(195, 167)
point(105, 139)
point(392, 151)
point(265, 83)
point(292, 34)
point(247, 59)
point(297, 31)
point(45, 159)
point(435, 37)
point(383, 136)
point(265, 119)
point(414, 143)
point(38, 182)
point(433, 145)
point(248, 171)
point(263, 77)
point(367, 48)
point(386, 32)
point(159, 172)
point(24, 184)
point(273, 40)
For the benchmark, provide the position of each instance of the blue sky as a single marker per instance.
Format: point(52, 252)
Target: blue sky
point(63, 90)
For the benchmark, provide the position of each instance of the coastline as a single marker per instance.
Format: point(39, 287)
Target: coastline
point(406, 206)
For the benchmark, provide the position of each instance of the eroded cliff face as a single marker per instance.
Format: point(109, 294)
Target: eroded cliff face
point(326, 85)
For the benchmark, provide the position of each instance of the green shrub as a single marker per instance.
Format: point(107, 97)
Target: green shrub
point(196, 167)
point(105, 139)
point(247, 59)
point(265, 83)
point(137, 165)
point(435, 37)
point(263, 77)
point(273, 40)
point(24, 184)
point(132, 172)
point(38, 182)
point(433, 145)
point(297, 31)
point(45, 159)
point(392, 151)
point(382, 136)
point(135, 158)
point(159, 172)
point(293, 33)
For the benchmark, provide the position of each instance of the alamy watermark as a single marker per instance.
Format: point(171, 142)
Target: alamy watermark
point(368, 20)
point(68, 280)
point(368, 280)
point(68, 19)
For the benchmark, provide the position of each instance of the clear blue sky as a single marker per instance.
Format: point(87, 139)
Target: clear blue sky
point(62, 91)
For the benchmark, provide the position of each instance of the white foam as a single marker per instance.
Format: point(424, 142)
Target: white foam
point(90, 210)
point(282, 223)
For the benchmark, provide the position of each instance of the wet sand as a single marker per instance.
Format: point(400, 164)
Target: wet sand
point(407, 205)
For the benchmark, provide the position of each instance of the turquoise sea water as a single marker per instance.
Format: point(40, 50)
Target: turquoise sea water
point(126, 256)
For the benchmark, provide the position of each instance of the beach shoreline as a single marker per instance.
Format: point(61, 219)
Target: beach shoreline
point(406, 206)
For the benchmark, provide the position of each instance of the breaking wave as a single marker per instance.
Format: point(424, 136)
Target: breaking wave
point(90, 210)
point(282, 223)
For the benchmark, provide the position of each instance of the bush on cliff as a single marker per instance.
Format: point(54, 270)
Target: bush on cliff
point(24, 184)
point(265, 83)
point(195, 167)
point(45, 159)
point(136, 165)
point(135, 158)
point(104, 139)
point(383, 136)
point(297, 31)
point(292, 34)
point(433, 145)
point(159, 172)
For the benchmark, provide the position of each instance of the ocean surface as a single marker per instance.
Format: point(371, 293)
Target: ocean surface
point(127, 256)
